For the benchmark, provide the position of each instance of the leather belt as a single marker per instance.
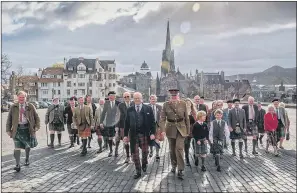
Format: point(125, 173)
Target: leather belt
point(23, 125)
point(175, 120)
point(251, 120)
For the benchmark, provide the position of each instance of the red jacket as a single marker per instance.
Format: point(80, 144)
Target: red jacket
point(270, 122)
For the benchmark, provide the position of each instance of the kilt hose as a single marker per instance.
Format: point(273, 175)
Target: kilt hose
point(85, 133)
point(141, 142)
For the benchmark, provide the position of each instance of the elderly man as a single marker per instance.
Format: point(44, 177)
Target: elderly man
point(251, 115)
point(97, 124)
point(202, 102)
point(22, 124)
point(110, 116)
point(237, 126)
point(140, 126)
point(175, 115)
point(282, 122)
point(83, 117)
point(200, 106)
point(55, 117)
point(72, 130)
point(123, 110)
point(229, 107)
point(93, 108)
point(157, 111)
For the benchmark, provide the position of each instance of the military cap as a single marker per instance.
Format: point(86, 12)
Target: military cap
point(73, 98)
point(236, 100)
point(229, 101)
point(276, 99)
point(173, 91)
point(202, 97)
point(111, 92)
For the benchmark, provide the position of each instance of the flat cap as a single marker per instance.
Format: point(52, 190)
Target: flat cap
point(202, 97)
point(73, 98)
point(236, 100)
point(111, 92)
point(276, 99)
point(229, 101)
point(106, 98)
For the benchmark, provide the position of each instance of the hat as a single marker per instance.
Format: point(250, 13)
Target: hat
point(106, 98)
point(202, 97)
point(111, 92)
point(236, 100)
point(73, 98)
point(276, 99)
point(173, 91)
point(259, 103)
point(229, 101)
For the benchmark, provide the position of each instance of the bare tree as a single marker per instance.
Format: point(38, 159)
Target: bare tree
point(20, 71)
point(5, 67)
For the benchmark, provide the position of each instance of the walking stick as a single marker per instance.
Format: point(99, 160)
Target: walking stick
point(46, 134)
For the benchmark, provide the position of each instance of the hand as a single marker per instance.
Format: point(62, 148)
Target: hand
point(99, 136)
point(117, 129)
point(163, 134)
point(198, 142)
point(101, 125)
point(205, 141)
point(230, 129)
point(9, 133)
point(125, 139)
point(152, 137)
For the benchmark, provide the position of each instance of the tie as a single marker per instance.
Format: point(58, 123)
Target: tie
point(277, 111)
point(111, 104)
point(154, 109)
point(137, 109)
point(21, 113)
point(198, 107)
point(219, 123)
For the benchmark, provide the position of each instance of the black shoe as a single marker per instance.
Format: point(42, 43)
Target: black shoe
point(255, 153)
point(127, 160)
point(27, 162)
point(99, 151)
point(77, 142)
point(144, 168)
point(203, 169)
point(241, 156)
point(110, 154)
point(219, 168)
point(173, 170)
point(180, 174)
point(157, 158)
point(137, 175)
point(89, 146)
point(151, 154)
point(17, 168)
point(245, 150)
point(71, 145)
point(116, 154)
point(188, 163)
point(51, 146)
point(196, 161)
point(234, 154)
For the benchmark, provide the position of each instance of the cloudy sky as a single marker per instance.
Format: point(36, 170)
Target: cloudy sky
point(237, 37)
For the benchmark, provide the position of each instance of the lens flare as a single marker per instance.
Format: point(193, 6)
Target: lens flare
point(185, 27)
point(165, 65)
point(178, 40)
point(196, 7)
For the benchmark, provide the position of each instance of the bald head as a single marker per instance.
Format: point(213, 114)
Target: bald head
point(251, 100)
point(127, 96)
point(101, 102)
point(137, 97)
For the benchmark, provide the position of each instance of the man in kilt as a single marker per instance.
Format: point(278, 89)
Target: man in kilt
point(110, 115)
point(260, 122)
point(88, 101)
point(83, 117)
point(251, 115)
point(140, 126)
point(123, 112)
point(55, 117)
point(22, 124)
point(97, 123)
point(217, 133)
point(71, 127)
point(237, 126)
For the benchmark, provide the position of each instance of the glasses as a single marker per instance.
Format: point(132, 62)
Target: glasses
point(126, 97)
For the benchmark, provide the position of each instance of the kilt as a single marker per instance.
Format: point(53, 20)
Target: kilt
point(142, 143)
point(280, 131)
point(202, 148)
point(217, 147)
point(100, 131)
point(110, 131)
point(252, 129)
point(261, 128)
point(22, 138)
point(234, 135)
point(85, 133)
point(54, 127)
point(70, 130)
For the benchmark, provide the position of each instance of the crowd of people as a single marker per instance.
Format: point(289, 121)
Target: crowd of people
point(184, 122)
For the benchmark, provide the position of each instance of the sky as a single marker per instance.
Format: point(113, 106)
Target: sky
point(236, 37)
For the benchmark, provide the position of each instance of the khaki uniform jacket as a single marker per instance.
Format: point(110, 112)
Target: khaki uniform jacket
point(13, 119)
point(168, 113)
point(87, 113)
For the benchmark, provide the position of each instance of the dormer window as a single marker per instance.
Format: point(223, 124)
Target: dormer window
point(90, 68)
point(81, 67)
point(43, 76)
point(70, 68)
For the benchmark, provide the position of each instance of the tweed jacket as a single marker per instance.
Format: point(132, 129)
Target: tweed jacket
point(49, 116)
point(13, 119)
point(87, 113)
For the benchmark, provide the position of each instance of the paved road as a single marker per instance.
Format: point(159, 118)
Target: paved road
point(63, 170)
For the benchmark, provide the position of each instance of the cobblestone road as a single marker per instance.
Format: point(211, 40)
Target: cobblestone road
point(63, 170)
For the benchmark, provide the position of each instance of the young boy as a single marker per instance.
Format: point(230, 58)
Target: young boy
point(216, 136)
point(200, 134)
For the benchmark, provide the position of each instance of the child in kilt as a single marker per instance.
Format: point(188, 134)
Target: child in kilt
point(200, 134)
point(217, 133)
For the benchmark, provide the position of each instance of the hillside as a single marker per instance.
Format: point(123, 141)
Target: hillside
point(273, 75)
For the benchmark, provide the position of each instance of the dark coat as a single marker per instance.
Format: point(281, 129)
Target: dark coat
point(202, 107)
point(123, 110)
point(130, 124)
point(110, 115)
point(246, 109)
point(260, 120)
point(68, 112)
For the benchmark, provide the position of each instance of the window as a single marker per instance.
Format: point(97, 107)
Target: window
point(81, 84)
point(75, 92)
point(69, 75)
point(54, 91)
point(100, 84)
point(74, 75)
point(109, 84)
point(90, 68)
point(113, 84)
point(44, 84)
point(68, 92)
point(45, 92)
point(90, 84)
point(109, 69)
point(68, 83)
point(54, 84)
point(74, 84)
point(100, 76)
point(90, 92)
point(52, 76)
point(32, 92)
point(110, 76)
point(55, 76)
point(43, 76)
point(83, 92)
point(102, 94)
point(82, 76)
point(70, 68)
point(59, 84)
point(113, 69)
point(59, 92)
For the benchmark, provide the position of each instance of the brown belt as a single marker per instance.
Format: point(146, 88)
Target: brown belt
point(175, 120)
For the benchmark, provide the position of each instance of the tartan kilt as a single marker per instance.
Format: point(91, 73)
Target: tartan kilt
point(252, 129)
point(84, 133)
point(202, 148)
point(217, 147)
point(110, 131)
point(280, 131)
point(100, 131)
point(22, 138)
point(56, 127)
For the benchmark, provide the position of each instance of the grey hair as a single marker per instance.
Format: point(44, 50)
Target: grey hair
point(153, 95)
point(251, 98)
point(270, 106)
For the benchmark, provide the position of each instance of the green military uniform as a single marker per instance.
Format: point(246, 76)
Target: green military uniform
point(175, 122)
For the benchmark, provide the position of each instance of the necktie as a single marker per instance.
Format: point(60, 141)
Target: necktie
point(111, 104)
point(198, 107)
point(154, 109)
point(137, 109)
point(21, 113)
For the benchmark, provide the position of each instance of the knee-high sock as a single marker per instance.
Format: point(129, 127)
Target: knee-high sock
point(240, 147)
point(117, 146)
point(245, 143)
point(89, 141)
point(202, 159)
point(59, 137)
point(218, 159)
point(151, 149)
point(127, 150)
point(187, 147)
point(52, 137)
point(74, 138)
point(27, 150)
point(157, 151)
point(100, 143)
point(254, 144)
point(233, 146)
point(17, 156)
point(110, 145)
point(84, 144)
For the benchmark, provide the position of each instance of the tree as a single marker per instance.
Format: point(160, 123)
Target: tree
point(5, 67)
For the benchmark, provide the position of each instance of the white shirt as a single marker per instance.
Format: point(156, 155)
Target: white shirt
point(140, 106)
point(111, 104)
point(251, 112)
point(155, 111)
point(24, 119)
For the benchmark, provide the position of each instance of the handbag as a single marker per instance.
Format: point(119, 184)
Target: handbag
point(288, 136)
point(33, 142)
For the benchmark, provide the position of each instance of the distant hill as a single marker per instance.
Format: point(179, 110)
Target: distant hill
point(271, 76)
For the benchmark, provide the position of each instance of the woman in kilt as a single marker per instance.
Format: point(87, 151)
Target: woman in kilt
point(22, 124)
point(192, 116)
point(270, 126)
point(200, 134)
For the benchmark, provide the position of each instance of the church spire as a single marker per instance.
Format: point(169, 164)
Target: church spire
point(168, 42)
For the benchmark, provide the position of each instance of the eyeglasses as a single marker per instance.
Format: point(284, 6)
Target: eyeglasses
point(126, 97)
